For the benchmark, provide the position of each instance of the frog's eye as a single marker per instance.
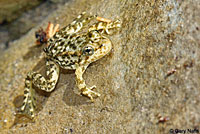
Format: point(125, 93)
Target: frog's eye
point(88, 50)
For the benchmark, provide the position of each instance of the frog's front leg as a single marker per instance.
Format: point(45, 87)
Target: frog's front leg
point(81, 83)
point(33, 78)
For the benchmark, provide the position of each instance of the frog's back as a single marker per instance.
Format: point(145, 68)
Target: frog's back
point(66, 50)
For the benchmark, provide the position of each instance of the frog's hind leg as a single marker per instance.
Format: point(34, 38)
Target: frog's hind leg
point(33, 78)
point(28, 106)
point(82, 20)
point(105, 26)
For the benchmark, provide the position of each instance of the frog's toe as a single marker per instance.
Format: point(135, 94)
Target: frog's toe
point(93, 87)
point(29, 113)
point(93, 92)
point(96, 94)
point(90, 94)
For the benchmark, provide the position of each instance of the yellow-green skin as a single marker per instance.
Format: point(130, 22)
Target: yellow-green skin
point(69, 49)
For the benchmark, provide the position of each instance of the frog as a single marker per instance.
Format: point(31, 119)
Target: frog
point(70, 48)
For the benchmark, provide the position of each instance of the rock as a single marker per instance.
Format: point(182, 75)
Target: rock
point(149, 83)
point(11, 9)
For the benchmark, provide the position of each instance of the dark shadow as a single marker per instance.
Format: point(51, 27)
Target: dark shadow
point(72, 99)
point(34, 51)
point(70, 96)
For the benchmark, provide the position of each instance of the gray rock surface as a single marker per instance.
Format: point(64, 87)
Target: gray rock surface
point(149, 83)
point(11, 9)
point(17, 17)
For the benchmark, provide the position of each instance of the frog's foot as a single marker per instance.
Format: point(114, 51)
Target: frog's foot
point(28, 111)
point(89, 93)
point(28, 106)
point(105, 26)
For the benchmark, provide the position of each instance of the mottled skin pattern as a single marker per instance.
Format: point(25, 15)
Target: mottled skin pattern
point(69, 49)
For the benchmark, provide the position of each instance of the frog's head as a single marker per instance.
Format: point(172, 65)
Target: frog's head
point(97, 47)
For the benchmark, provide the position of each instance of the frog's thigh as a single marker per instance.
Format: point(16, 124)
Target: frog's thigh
point(78, 23)
point(52, 74)
point(105, 27)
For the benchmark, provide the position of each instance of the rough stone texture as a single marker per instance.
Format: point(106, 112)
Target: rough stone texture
point(28, 17)
point(153, 72)
point(11, 9)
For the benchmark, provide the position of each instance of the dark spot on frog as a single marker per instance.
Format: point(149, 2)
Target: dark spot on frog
point(55, 48)
point(62, 43)
point(74, 47)
point(68, 57)
point(25, 91)
point(71, 45)
point(78, 41)
point(51, 40)
point(70, 37)
point(55, 36)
